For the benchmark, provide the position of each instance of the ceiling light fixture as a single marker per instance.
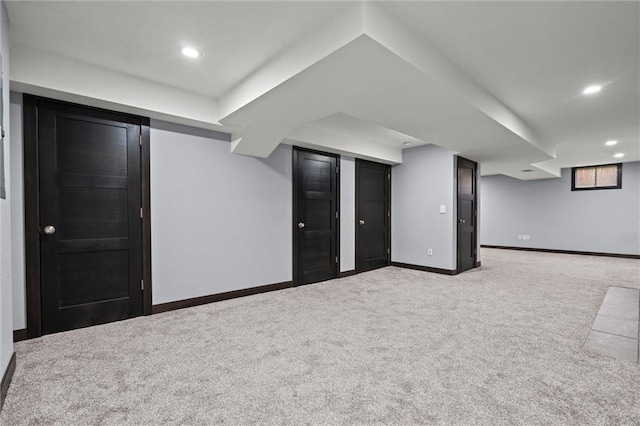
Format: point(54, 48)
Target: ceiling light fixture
point(619, 155)
point(591, 90)
point(610, 143)
point(407, 144)
point(191, 52)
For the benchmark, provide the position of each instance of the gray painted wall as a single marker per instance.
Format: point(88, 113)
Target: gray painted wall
point(17, 214)
point(230, 230)
point(219, 222)
point(6, 225)
point(423, 182)
point(605, 221)
point(347, 214)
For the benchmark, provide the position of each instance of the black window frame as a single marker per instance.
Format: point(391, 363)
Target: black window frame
point(618, 184)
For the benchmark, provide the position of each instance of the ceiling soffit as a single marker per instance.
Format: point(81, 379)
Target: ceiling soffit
point(360, 78)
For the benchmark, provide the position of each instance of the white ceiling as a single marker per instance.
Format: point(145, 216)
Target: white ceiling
point(144, 38)
point(498, 82)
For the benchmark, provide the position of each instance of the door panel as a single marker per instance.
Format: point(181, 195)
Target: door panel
point(107, 155)
point(467, 186)
point(318, 213)
point(374, 213)
point(316, 174)
point(88, 277)
point(89, 167)
point(95, 212)
point(315, 226)
point(373, 203)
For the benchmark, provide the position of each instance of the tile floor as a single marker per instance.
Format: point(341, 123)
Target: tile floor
point(614, 332)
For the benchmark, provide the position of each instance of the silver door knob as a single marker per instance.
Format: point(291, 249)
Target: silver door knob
point(361, 222)
point(301, 225)
point(49, 229)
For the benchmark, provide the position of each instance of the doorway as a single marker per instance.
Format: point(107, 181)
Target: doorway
point(373, 215)
point(315, 216)
point(467, 184)
point(86, 216)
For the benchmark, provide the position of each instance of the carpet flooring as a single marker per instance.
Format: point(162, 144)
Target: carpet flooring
point(496, 345)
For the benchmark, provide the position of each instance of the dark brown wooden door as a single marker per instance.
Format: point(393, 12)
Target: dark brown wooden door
point(315, 224)
point(90, 223)
point(467, 213)
point(373, 214)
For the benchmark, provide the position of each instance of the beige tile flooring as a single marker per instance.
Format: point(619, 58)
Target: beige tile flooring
point(614, 331)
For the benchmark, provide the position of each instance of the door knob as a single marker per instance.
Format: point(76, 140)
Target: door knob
point(361, 222)
point(49, 229)
point(301, 225)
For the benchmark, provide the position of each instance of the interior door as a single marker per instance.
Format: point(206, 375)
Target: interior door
point(467, 213)
point(315, 224)
point(89, 194)
point(373, 214)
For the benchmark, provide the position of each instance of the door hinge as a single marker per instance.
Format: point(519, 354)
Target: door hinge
point(140, 139)
point(389, 176)
point(141, 284)
point(389, 213)
point(336, 215)
point(337, 170)
point(336, 259)
point(140, 212)
point(388, 250)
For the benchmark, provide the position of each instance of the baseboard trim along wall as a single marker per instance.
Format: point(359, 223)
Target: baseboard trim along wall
point(586, 253)
point(425, 268)
point(203, 300)
point(6, 379)
point(20, 335)
point(347, 273)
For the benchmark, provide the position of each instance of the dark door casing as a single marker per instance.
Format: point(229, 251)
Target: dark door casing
point(90, 204)
point(315, 212)
point(373, 215)
point(467, 213)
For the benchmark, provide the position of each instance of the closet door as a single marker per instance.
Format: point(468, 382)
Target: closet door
point(315, 224)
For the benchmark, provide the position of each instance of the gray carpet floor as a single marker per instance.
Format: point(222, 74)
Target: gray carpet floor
point(497, 345)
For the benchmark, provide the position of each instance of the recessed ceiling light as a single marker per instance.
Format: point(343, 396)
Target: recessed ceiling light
point(610, 143)
point(407, 144)
point(619, 155)
point(591, 90)
point(191, 52)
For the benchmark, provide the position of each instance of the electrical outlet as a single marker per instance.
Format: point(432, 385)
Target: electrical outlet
point(519, 237)
point(443, 208)
point(430, 252)
point(526, 237)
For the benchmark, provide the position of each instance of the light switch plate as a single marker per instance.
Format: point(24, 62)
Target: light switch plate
point(443, 208)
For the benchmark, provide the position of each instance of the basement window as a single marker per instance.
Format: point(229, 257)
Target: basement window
point(607, 176)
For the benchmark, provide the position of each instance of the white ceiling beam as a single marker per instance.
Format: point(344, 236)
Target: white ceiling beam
point(311, 136)
point(392, 34)
point(41, 73)
point(548, 166)
point(323, 41)
point(259, 140)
